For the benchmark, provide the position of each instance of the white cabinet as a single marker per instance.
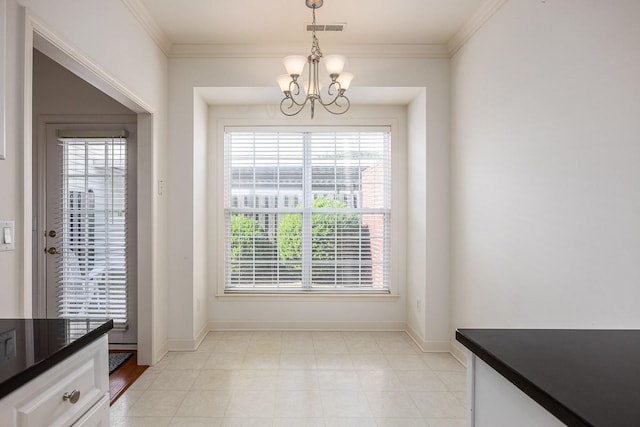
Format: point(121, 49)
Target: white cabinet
point(73, 392)
point(494, 402)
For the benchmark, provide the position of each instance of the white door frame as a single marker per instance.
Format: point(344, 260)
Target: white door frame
point(38, 35)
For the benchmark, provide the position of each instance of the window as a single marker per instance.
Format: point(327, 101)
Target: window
point(92, 271)
point(328, 227)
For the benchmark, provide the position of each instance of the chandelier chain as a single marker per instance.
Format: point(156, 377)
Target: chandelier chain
point(315, 43)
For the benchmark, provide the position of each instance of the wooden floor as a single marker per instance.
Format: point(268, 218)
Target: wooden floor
point(124, 376)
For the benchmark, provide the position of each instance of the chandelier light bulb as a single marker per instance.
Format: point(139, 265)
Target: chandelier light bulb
point(294, 64)
point(345, 80)
point(283, 81)
point(334, 64)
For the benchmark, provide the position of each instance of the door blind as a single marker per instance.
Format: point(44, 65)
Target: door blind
point(92, 267)
point(307, 210)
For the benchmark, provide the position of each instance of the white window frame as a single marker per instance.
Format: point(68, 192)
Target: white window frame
point(398, 202)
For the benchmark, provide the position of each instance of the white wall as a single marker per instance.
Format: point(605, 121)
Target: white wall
point(546, 155)
point(187, 74)
point(108, 36)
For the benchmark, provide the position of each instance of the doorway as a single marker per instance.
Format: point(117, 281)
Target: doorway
point(85, 195)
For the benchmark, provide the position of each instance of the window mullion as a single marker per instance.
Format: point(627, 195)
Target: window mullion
point(306, 211)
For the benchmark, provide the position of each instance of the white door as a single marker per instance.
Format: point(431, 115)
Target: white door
point(90, 226)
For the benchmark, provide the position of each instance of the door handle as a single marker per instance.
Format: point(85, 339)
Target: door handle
point(51, 251)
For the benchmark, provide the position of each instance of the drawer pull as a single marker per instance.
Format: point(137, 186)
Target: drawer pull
point(72, 397)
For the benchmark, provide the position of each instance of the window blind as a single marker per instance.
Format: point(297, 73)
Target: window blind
point(92, 269)
point(307, 211)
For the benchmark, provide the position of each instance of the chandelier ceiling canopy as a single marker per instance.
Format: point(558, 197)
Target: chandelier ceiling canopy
point(297, 94)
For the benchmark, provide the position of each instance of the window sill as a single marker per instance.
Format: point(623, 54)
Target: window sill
point(307, 296)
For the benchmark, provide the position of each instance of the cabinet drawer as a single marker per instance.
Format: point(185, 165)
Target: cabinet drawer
point(98, 416)
point(41, 402)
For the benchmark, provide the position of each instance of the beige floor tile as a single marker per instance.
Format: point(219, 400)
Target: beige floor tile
point(334, 361)
point(326, 346)
point(339, 380)
point(350, 422)
point(297, 361)
point(425, 380)
point(145, 380)
point(461, 396)
point(174, 380)
point(380, 380)
point(438, 404)
point(397, 346)
point(298, 422)
point(256, 379)
point(266, 336)
point(369, 362)
point(455, 381)
point(402, 422)
point(122, 405)
point(191, 360)
point(345, 404)
point(214, 379)
point(265, 346)
point(261, 361)
point(447, 422)
point(406, 362)
point(157, 403)
point(204, 403)
point(237, 336)
point(224, 361)
point(251, 404)
point(232, 345)
point(298, 380)
point(195, 422)
point(327, 335)
point(295, 345)
point(363, 347)
point(247, 422)
point(442, 362)
point(392, 404)
point(139, 421)
point(298, 404)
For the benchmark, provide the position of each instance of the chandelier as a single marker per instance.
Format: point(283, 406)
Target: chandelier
point(297, 94)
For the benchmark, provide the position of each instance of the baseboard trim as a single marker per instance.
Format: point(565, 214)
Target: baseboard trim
point(307, 326)
point(162, 351)
point(458, 351)
point(427, 346)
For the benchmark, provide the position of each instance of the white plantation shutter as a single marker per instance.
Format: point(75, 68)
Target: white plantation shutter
point(307, 210)
point(92, 268)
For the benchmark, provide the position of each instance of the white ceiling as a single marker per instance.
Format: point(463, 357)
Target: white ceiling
point(280, 22)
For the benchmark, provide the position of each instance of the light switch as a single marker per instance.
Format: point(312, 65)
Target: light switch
point(7, 235)
point(7, 345)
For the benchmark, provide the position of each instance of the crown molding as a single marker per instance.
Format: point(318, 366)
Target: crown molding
point(382, 51)
point(352, 51)
point(476, 22)
point(147, 22)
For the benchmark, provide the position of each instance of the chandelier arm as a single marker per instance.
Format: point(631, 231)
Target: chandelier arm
point(343, 108)
point(290, 109)
point(294, 90)
point(334, 85)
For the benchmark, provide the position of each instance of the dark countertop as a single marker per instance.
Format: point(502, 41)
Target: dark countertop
point(29, 347)
point(583, 377)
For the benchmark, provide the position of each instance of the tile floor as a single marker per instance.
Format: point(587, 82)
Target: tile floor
point(298, 379)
